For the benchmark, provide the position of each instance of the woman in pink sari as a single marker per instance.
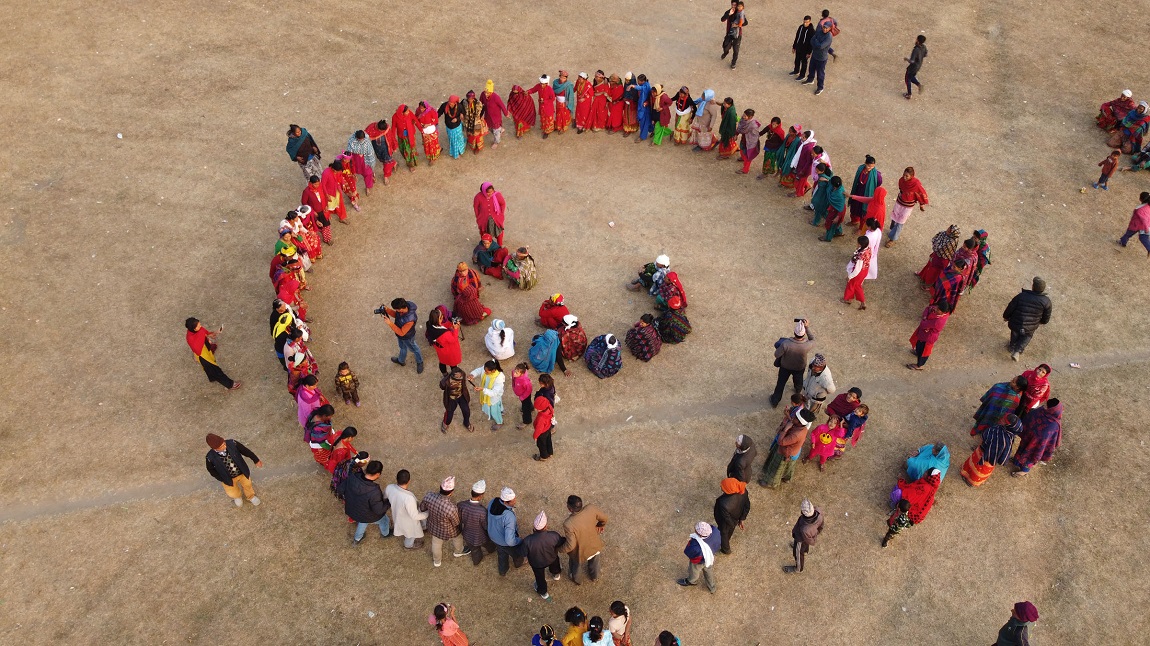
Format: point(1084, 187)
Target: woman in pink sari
point(465, 287)
point(490, 211)
point(427, 120)
point(308, 398)
point(443, 619)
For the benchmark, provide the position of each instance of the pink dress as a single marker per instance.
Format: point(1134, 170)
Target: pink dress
point(449, 634)
point(823, 442)
point(308, 400)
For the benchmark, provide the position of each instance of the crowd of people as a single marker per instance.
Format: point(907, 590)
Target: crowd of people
point(1021, 410)
point(1126, 124)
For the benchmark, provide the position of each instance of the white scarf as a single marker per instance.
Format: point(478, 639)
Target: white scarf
point(708, 553)
point(802, 142)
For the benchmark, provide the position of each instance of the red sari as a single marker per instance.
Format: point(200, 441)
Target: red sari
point(599, 110)
point(546, 106)
point(522, 110)
point(615, 120)
point(329, 183)
point(314, 221)
point(428, 123)
point(404, 125)
point(311, 235)
point(465, 289)
point(374, 133)
point(583, 96)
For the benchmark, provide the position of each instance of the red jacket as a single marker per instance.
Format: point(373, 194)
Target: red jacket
point(545, 413)
point(551, 315)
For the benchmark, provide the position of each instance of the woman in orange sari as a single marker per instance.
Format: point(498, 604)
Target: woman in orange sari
point(599, 111)
point(583, 95)
point(630, 105)
point(427, 119)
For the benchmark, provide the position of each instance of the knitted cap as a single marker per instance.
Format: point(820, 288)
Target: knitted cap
point(215, 441)
point(807, 508)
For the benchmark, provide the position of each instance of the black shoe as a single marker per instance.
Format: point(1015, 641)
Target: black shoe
point(724, 56)
point(397, 362)
point(418, 368)
point(726, 551)
point(791, 569)
point(810, 82)
point(774, 402)
point(885, 540)
point(685, 583)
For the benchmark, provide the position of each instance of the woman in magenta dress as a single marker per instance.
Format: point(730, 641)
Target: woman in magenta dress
point(490, 211)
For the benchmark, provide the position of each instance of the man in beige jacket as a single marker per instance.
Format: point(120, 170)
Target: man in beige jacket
point(584, 545)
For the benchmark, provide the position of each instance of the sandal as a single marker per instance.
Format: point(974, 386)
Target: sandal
point(914, 366)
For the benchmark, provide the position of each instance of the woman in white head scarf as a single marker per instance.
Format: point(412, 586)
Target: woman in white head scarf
point(500, 340)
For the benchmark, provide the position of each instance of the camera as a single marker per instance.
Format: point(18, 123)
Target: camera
point(381, 310)
point(456, 320)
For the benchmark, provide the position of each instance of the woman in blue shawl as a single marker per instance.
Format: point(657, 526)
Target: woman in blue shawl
point(930, 456)
point(820, 198)
point(564, 100)
point(544, 352)
point(603, 356)
point(301, 148)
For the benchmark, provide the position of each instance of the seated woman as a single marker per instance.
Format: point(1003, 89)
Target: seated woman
point(603, 356)
point(519, 268)
point(671, 288)
point(643, 339)
point(651, 275)
point(926, 459)
point(489, 256)
point(551, 312)
point(572, 338)
point(673, 324)
point(544, 353)
point(1112, 112)
point(466, 287)
point(1041, 435)
point(920, 494)
point(500, 340)
point(1131, 129)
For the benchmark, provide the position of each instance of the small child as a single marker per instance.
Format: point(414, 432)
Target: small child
point(347, 384)
point(824, 441)
point(855, 424)
point(521, 385)
point(545, 637)
point(1108, 165)
point(898, 521)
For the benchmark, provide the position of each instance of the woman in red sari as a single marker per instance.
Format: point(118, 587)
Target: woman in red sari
point(382, 136)
point(522, 110)
point(546, 104)
point(615, 104)
point(289, 288)
point(599, 110)
point(1037, 390)
point(311, 235)
point(404, 124)
point(428, 121)
point(490, 211)
point(465, 287)
point(583, 96)
point(329, 183)
point(341, 448)
point(347, 181)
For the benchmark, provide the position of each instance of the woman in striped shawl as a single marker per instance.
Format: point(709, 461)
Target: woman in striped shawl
point(997, 441)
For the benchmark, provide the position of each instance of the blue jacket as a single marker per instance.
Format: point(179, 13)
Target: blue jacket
point(695, 553)
point(502, 526)
point(820, 44)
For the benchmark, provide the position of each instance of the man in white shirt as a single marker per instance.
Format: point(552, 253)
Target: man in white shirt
point(405, 511)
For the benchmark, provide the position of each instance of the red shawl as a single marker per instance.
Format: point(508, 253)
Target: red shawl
point(674, 278)
point(373, 133)
point(920, 495)
point(403, 125)
point(521, 106)
point(459, 284)
point(428, 116)
point(911, 191)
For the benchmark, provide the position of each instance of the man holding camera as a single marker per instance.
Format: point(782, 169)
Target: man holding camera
point(791, 358)
point(401, 318)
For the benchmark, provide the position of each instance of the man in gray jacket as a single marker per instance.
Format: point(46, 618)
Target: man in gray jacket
point(819, 384)
point(820, 52)
point(791, 358)
point(503, 530)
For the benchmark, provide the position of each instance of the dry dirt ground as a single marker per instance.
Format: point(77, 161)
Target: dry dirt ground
point(114, 533)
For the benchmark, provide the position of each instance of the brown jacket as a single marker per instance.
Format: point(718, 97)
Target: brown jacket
point(790, 439)
point(582, 533)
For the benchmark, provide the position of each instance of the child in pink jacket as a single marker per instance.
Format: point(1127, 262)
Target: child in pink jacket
point(823, 441)
point(521, 385)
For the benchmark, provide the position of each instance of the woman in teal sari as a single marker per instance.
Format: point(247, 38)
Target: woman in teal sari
point(836, 210)
point(787, 152)
point(820, 198)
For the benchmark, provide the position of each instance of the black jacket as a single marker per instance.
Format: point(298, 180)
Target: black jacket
point(237, 452)
point(1027, 311)
point(363, 500)
point(731, 509)
point(739, 467)
point(803, 38)
point(542, 548)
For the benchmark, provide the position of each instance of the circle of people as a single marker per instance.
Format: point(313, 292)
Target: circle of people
point(1021, 408)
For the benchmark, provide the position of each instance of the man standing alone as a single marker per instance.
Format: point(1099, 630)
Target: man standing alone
point(225, 461)
point(914, 64)
point(700, 552)
point(791, 359)
point(801, 47)
point(805, 532)
point(820, 52)
point(735, 19)
point(403, 313)
point(582, 530)
point(1026, 311)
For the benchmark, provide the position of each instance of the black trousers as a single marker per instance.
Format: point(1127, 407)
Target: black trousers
point(543, 443)
point(216, 374)
point(1019, 339)
point(541, 575)
point(464, 409)
point(731, 44)
point(526, 408)
point(801, 550)
point(784, 374)
point(505, 554)
point(919, 348)
point(801, 58)
point(477, 551)
point(726, 531)
point(575, 568)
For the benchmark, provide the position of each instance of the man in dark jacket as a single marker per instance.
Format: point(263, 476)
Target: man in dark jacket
point(225, 461)
point(731, 509)
point(801, 47)
point(700, 553)
point(791, 358)
point(820, 52)
point(805, 532)
point(914, 64)
point(1026, 311)
point(473, 523)
point(542, 551)
point(740, 465)
point(363, 500)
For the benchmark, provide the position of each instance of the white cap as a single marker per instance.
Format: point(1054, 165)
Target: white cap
point(935, 472)
point(479, 487)
point(1127, 93)
point(303, 209)
point(807, 508)
point(628, 76)
point(540, 521)
point(507, 494)
point(448, 484)
point(663, 260)
point(570, 320)
point(612, 342)
point(703, 529)
point(582, 75)
point(544, 79)
point(800, 329)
